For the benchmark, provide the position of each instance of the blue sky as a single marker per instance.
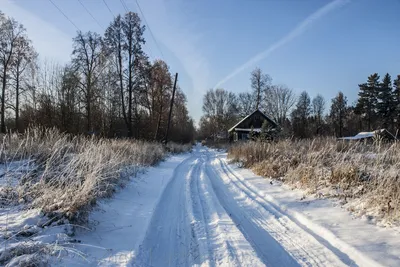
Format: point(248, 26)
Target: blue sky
point(321, 46)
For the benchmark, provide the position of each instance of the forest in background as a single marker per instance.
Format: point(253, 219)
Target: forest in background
point(377, 106)
point(110, 88)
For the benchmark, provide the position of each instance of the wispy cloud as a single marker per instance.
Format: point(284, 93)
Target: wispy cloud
point(297, 31)
point(48, 40)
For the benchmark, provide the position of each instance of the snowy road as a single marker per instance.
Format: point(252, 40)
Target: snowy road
point(208, 215)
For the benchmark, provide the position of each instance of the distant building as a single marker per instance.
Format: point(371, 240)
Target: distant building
point(381, 134)
point(252, 122)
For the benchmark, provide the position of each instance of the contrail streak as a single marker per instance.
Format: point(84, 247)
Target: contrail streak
point(298, 30)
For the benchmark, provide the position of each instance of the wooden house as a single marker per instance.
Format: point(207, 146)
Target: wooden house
point(251, 123)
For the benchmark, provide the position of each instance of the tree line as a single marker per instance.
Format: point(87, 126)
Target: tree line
point(109, 88)
point(377, 106)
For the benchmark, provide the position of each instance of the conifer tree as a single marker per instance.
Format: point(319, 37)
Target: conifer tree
point(338, 113)
point(264, 131)
point(252, 134)
point(385, 105)
point(367, 101)
point(300, 115)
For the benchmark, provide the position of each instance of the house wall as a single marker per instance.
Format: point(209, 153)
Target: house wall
point(243, 135)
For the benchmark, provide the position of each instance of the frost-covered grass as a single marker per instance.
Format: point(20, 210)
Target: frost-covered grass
point(365, 176)
point(71, 173)
point(60, 177)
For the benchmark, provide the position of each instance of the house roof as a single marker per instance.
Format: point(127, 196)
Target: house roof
point(256, 130)
point(363, 135)
point(248, 116)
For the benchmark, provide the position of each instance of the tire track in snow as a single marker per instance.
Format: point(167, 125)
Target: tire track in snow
point(300, 244)
point(169, 239)
point(268, 250)
point(189, 226)
point(207, 216)
point(228, 245)
point(195, 211)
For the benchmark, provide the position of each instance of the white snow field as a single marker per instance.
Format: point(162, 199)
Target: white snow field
point(197, 210)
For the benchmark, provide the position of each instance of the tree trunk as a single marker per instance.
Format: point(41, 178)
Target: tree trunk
point(121, 83)
point(17, 103)
point(158, 124)
point(130, 92)
point(3, 97)
point(88, 105)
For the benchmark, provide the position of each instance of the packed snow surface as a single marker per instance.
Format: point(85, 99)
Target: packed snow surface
point(197, 210)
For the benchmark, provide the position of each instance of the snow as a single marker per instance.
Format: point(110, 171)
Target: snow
point(24, 238)
point(197, 210)
point(22, 235)
point(258, 130)
point(364, 243)
point(363, 135)
point(119, 224)
point(12, 172)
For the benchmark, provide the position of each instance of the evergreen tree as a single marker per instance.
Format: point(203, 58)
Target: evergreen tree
point(385, 105)
point(301, 114)
point(264, 131)
point(252, 134)
point(338, 113)
point(367, 101)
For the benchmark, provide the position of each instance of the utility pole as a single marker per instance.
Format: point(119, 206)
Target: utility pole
point(170, 108)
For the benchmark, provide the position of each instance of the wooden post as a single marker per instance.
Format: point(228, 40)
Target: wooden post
point(170, 108)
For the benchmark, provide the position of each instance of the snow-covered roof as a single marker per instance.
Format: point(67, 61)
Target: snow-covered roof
point(258, 130)
point(245, 118)
point(363, 135)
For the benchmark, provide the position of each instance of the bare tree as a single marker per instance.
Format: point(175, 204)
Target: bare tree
point(109, 86)
point(124, 40)
point(68, 99)
point(10, 33)
point(259, 83)
point(24, 54)
point(279, 100)
point(162, 86)
point(246, 104)
point(220, 108)
point(88, 59)
point(318, 107)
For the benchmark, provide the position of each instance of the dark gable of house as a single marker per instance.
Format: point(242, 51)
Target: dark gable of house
point(241, 130)
point(256, 120)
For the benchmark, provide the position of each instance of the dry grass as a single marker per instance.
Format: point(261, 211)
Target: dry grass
point(222, 145)
point(369, 172)
point(71, 173)
point(178, 148)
